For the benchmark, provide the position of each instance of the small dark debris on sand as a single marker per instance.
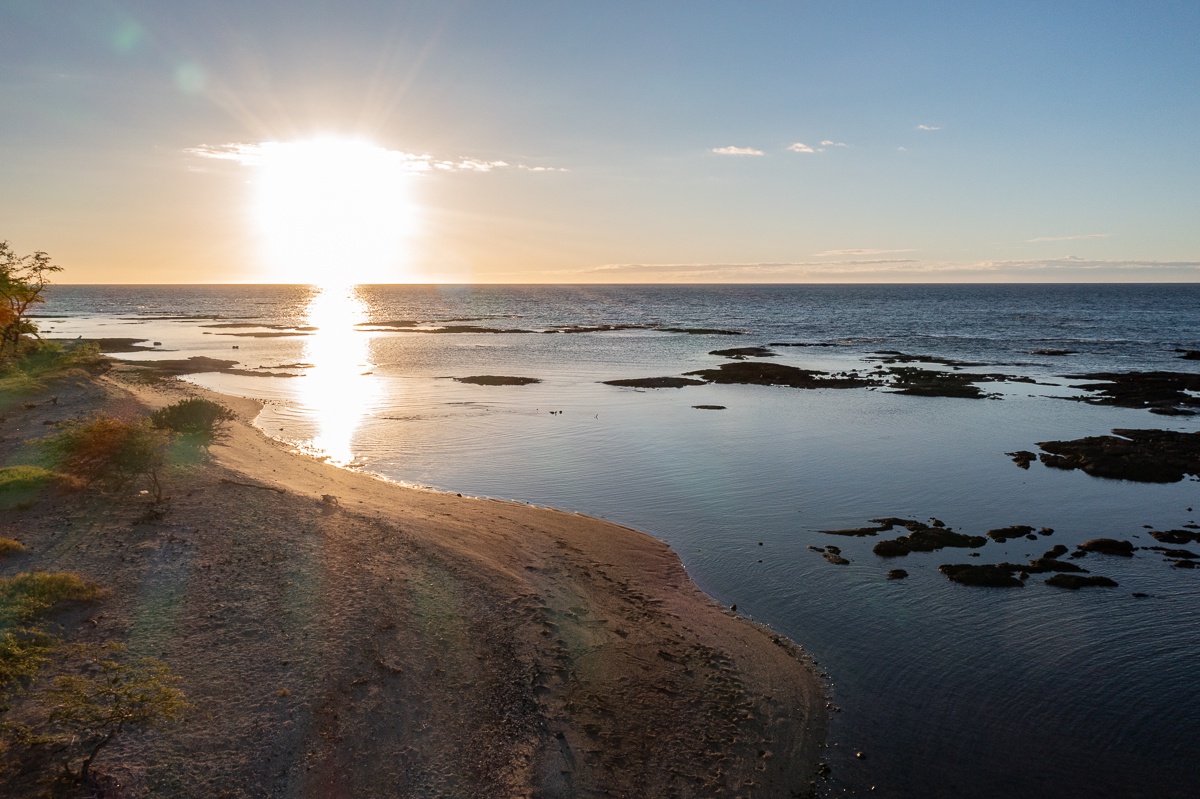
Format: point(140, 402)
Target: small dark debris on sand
point(654, 382)
point(1107, 546)
point(497, 380)
point(756, 373)
point(1158, 392)
point(1077, 581)
point(709, 407)
point(742, 353)
point(1022, 457)
point(1144, 456)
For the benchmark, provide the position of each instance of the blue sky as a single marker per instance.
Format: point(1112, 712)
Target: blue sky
point(962, 141)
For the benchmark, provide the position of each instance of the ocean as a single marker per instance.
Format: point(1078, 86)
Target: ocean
point(944, 689)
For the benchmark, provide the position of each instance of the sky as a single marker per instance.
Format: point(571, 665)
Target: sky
point(620, 142)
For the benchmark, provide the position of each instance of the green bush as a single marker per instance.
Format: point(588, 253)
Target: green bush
point(196, 416)
point(111, 451)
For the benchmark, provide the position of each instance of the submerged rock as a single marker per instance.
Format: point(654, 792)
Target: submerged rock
point(1077, 581)
point(1146, 456)
point(1056, 551)
point(897, 574)
point(709, 407)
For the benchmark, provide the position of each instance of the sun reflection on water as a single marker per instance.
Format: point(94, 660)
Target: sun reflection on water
point(338, 390)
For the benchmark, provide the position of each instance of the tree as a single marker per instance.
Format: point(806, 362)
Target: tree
point(93, 706)
point(23, 278)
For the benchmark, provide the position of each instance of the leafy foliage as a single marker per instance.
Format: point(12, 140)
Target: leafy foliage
point(100, 696)
point(111, 451)
point(195, 416)
point(23, 278)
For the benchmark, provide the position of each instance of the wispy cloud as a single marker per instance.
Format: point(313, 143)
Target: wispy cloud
point(1069, 238)
point(832, 143)
point(731, 150)
point(800, 147)
point(260, 153)
point(928, 127)
point(834, 253)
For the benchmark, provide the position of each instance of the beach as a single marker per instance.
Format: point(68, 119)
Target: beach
point(339, 634)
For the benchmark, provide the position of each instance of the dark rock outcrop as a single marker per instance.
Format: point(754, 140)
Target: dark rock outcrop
point(757, 373)
point(742, 353)
point(1155, 391)
point(989, 575)
point(654, 382)
point(1145, 456)
point(1002, 534)
point(1107, 546)
point(497, 380)
point(1077, 581)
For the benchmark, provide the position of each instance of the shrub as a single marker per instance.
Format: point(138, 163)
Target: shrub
point(10, 547)
point(196, 416)
point(111, 451)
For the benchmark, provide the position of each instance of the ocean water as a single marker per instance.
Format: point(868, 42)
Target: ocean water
point(946, 690)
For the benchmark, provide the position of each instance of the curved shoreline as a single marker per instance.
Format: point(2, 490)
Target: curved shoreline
point(570, 656)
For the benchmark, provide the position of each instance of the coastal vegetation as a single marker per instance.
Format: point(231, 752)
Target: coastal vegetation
point(23, 278)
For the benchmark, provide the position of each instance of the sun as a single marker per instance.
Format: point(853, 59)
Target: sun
point(334, 212)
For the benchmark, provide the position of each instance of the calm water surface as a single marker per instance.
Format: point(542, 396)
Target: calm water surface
point(947, 690)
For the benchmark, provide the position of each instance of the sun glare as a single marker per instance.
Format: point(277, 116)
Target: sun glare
point(334, 212)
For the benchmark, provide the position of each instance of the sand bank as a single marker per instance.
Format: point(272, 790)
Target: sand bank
point(388, 641)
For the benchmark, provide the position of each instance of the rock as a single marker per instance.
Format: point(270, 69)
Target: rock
point(1175, 536)
point(742, 353)
point(1056, 551)
point(1107, 546)
point(1151, 390)
point(1185, 564)
point(654, 382)
point(1076, 581)
point(897, 574)
point(709, 407)
point(497, 380)
point(1046, 531)
point(1187, 554)
point(989, 575)
point(1022, 457)
point(924, 538)
point(1147, 456)
point(1002, 534)
point(1189, 355)
point(757, 373)
point(1053, 352)
point(929, 383)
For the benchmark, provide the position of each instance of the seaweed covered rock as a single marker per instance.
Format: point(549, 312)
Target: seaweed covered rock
point(1002, 534)
point(742, 353)
point(1176, 536)
point(926, 538)
point(654, 382)
point(1159, 392)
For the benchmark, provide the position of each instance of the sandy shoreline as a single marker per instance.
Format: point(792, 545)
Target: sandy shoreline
point(401, 642)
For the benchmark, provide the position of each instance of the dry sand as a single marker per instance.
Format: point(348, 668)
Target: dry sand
point(408, 643)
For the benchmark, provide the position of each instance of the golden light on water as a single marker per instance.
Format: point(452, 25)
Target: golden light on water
point(337, 391)
point(334, 212)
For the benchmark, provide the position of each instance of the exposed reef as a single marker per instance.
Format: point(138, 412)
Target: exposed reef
point(741, 353)
point(1165, 393)
point(654, 382)
point(1106, 546)
point(497, 380)
point(988, 575)
point(109, 345)
point(709, 407)
point(202, 363)
point(757, 373)
point(924, 538)
point(1175, 536)
point(1145, 456)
